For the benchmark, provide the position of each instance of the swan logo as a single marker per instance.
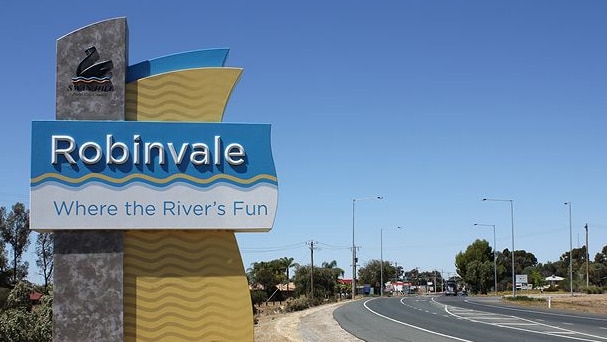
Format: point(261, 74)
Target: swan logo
point(93, 75)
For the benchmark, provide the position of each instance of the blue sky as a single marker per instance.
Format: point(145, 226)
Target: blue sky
point(433, 105)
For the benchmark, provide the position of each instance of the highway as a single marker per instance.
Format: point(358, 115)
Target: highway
point(466, 319)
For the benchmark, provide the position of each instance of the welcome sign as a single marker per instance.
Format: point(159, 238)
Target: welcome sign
point(152, 175)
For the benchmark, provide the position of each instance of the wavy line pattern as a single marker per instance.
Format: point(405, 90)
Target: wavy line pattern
point(91, 79)
point(185, 95)
point(185, 286)
point(138, 177)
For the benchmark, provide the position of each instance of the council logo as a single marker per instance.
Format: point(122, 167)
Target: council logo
point(93, 75)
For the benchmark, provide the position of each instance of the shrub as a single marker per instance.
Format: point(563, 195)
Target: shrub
point(19, 322)
point(525, 299)
point(593, 290)
point(258, 297)
point(4, 296)
point(15, 325)
point(301, 303)
point(19, 297)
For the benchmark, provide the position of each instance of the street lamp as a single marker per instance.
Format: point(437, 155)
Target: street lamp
point(381, 255)
point(512, 221)
point(353, 245)
point(494, 253)
point(570, 250)
point(587, 254)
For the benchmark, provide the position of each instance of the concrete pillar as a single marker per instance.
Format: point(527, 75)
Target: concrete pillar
point(88, 274)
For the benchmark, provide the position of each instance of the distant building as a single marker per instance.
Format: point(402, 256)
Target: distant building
point(400, 287)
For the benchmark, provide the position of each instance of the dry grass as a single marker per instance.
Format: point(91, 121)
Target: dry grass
point(592, 303)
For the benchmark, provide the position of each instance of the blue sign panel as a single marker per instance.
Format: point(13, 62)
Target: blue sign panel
point(152, 175)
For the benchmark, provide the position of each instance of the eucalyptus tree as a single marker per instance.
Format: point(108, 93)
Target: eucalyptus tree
point(5, 272)
point(14, 229)
point(44, 253)
point(371, 273)
point(475, 266)
point(325, 280)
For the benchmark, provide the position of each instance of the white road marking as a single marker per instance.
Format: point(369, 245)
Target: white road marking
point(521, 324)
point(412, 326)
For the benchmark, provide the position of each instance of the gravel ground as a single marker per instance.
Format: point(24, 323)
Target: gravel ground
point(311, 325)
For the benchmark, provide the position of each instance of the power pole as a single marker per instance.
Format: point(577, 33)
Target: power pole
point(354, 262)
point(397, 271)
point(311, 243)
point(587, 255)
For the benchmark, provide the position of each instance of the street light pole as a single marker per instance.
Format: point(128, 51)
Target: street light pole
point(381, 255)
point(353, 244)
point(512, 221)
point(381, 266)
point(587, 255)
point(570, 251)
point(494, 253)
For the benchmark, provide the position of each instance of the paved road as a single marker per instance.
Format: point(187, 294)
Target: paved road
point(466, 319)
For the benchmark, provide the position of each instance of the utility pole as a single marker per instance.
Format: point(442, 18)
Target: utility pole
point(587, 255)
point(311, 243)
point(570, 252)
point(354, 258)
point(397, 273)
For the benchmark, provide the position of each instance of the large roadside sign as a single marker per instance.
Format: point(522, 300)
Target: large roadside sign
point(521, 279)
point(152, 175)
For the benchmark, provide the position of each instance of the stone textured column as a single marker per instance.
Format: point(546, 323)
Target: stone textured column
point(88, 274)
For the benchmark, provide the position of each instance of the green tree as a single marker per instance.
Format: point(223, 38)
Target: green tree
point(370, 273)
point(19, 323)
point(258, 297)
point(14, 228)
point(597, 274)
point(268, 274)
point(15, 325)
point(43, 318)
point(598, 269)
point(44, 252)
point(400, 272)
point(264, 275)
point(475, 266)
point(286, 264)
point(534, 276)
point(19, 297)
point(333, 269)
point(522, 261)
point(577, 258)
point(434, 277)
point(325, 280)
point(601, 257)
point(5, 272)
point(334, 272)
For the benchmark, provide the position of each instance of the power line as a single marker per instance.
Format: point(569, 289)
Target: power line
point(273, 249)
point(332, 247)
point(270, 249)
